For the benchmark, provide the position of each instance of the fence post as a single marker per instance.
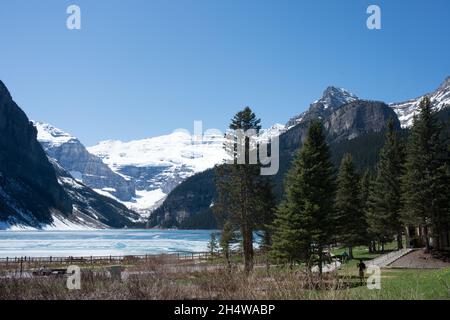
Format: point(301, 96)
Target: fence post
point(21, 266)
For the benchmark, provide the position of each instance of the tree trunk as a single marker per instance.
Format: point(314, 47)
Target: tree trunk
point(227, 257)
point(427, 238)
point(350, 252)
point(372, 247)
point(399, 239)
point(407, 238)
point(436, 238)
point(247, 239)
point(437, 242)
point(320, 261)
point(382, 247)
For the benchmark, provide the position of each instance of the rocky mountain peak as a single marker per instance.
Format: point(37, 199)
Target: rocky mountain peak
point(29, 187)
point(73, 156)
point(334, 97)
point(4, 92)
point(51, 135)
point(445, 85)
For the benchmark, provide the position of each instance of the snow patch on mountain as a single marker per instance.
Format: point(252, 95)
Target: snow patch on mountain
point(72, 155)
point(63, 224)
point(173, 151)
point(406, 110)
point(274, 131)
point(160, 163)
point(332, 99)
point(335, 97)
point(52, 136)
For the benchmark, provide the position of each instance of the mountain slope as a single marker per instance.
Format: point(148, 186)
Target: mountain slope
point(29, 189)
point(89, 169)
point(332, 99)
point(345, 119)
point(358, 118)
point(36, 192)
point(159, 164)
point(91, 209)
point(440, 99)
point(193, 195)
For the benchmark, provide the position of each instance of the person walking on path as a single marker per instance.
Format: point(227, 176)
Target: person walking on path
point(362, 268)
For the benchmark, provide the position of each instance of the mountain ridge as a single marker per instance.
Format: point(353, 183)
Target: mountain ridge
point(84, 166)
point(440, 99)
point(35, 192)
point(342, 121)
point(142, 174)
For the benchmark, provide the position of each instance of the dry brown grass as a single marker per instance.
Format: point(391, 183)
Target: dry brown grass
point(162, 279)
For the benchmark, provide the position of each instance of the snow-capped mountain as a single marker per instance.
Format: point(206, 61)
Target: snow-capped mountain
point(159, 164)
point(332, 99)
point(440, 98)
point(138, 173)
point(83, 166)
point(36, 192)
point(90, 209)
point(345, 117)
point(274, 131)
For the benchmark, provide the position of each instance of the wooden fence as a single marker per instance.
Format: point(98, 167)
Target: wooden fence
point(103, 259)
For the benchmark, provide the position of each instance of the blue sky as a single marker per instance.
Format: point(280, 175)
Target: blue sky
point(144, 68)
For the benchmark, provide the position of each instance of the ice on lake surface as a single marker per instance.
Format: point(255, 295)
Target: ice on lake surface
point(101, 242)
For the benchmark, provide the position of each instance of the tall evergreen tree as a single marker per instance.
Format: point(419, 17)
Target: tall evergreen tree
point(349, 220)
point(386, 194)
point(226, 240)
point(302, 226)
point(213, 244)
point(365, 187)
point(425, 183)
point(242, 195)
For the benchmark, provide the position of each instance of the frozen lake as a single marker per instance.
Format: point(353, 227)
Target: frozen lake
point(101, 242)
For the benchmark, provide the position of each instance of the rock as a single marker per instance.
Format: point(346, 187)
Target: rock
point(29, 189)
point(357, 118)
point(72, 155)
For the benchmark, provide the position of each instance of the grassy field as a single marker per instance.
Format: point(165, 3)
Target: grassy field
point(158, 280)
point(404, 284)
point(208, 279)
point(397, 284)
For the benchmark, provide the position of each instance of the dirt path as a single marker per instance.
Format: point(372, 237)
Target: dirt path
point(418, 259)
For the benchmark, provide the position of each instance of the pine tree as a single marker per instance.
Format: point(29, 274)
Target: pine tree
point(386, 194)
point(213, 245)
point(425, 183)
point(302, 223)
point(365, 187)
point(241, 190)
point(349, 220)
point(226, 240)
